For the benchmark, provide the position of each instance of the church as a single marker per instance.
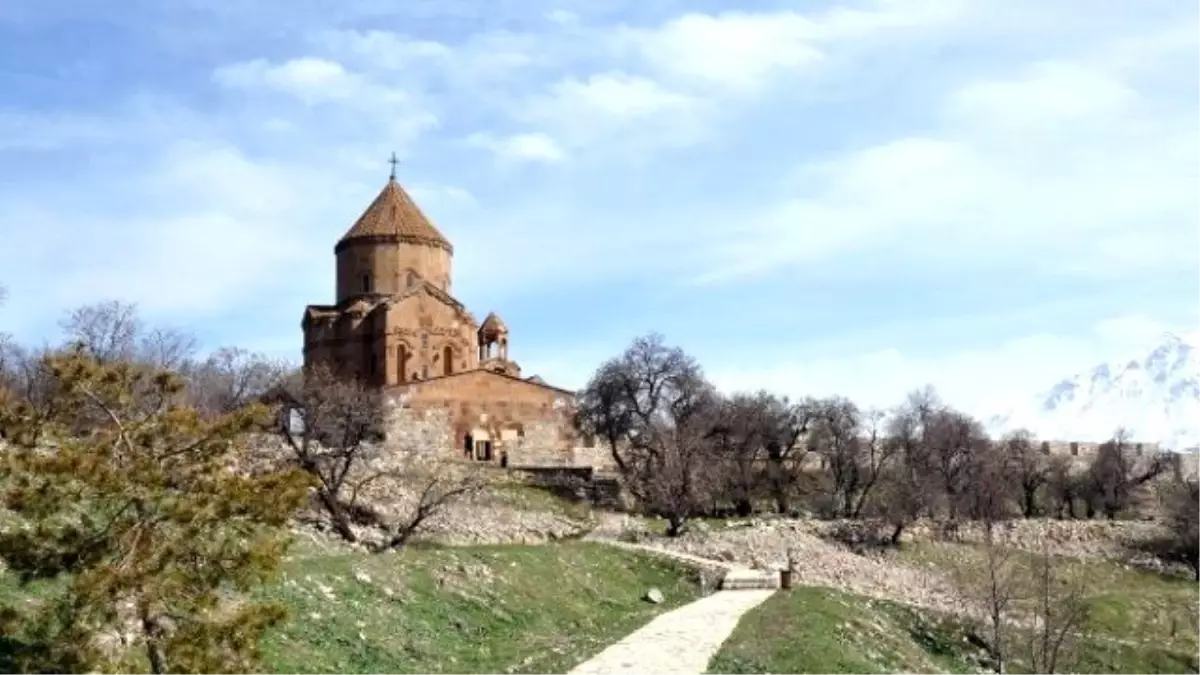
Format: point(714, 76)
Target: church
point(447, 383)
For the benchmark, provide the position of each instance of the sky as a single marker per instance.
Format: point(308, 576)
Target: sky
point(815, 198)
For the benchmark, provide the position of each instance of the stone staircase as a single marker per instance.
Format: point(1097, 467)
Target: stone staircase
point(741, 579)
point(732, 577)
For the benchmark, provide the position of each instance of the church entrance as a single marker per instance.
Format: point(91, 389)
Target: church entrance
point(478, 446)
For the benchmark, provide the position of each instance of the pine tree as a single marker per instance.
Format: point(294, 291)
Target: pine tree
point(134, 502)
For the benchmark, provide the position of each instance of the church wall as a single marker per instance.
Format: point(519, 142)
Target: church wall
point(425, 326)
point(530, 423)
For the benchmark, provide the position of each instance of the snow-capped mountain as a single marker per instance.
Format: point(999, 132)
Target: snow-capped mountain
point(1156, 396)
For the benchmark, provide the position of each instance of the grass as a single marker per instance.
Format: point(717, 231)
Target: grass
point(477, 609)
point(533, 498)
point(823, 630)
point(505, 609)
point(1138, 622)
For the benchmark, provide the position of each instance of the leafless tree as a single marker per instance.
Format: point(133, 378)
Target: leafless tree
point(741, 432)
point(998, 584)
point(108, 331)
point(988, 491)
point(900, 499)
point(953, 439)
point(328, 424)
point(657, 412)
point(1181, 542)
point(436, 491)
point(232, 377)
point(1029, 468)
point(167, 349)
point(1116, 474)
point(785, 424)
point(1062, 487)
point(1060, 609)
point(854, 450)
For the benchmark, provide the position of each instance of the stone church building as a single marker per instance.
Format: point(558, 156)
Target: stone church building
point(447, 384)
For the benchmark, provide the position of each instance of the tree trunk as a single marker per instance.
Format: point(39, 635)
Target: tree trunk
point(899, 529)
point(337, 515)
point(152, 631)
point(782, 505)
point(744, 507)
point(1030, 503)
point(676, 526)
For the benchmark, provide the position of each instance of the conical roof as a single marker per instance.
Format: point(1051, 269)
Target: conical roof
point(493, 325)
point(394, 214)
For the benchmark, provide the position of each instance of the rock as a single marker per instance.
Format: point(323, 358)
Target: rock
point(653, 596)
point(362, 577)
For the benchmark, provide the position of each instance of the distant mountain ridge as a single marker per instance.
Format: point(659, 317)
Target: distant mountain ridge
point(1156, 396)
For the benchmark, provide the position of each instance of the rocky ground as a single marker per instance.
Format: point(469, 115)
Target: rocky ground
point(823, 558)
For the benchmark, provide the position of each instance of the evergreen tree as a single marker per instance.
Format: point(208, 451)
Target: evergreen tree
point(134, 502)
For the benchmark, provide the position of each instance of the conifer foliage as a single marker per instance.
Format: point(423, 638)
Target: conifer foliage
point(131, 501)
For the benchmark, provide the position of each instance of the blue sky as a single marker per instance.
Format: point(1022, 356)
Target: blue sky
point(856, 197)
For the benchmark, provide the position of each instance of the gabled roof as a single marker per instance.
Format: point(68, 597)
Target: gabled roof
point(482, 372)
point(433, 291)
point(395, 216)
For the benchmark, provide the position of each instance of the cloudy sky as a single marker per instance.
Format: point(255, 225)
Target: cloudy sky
point(857, 198)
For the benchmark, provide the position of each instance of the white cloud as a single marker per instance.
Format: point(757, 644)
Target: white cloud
point(613, 111)
point(316, 81)
point(743, 51)
point(562, 17)
point(617, 96)
point(735, 50)
point(383, 49)
point(519, 148)
point(1050, 93)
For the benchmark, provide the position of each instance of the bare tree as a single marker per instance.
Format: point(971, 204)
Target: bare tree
point(854, 450)
point(952, 439)
point(9, 355)
point(328, 424)
point(987, 492)
point(1116, 474)
point(1062, 487)
point(108, 331)
point(656, 411)
point(740, 433)
point(785, 424)
point(1181, 542)
point(232, 377)
point(1059, 611)
point(436, 490)
point(167, 349)
point(999, 586)
point(1029, 468)
point(900, 499)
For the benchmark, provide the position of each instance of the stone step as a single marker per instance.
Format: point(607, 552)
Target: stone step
point(743, 580)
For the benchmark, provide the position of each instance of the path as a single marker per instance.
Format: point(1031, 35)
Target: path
point(681, 556)
point(681, 641)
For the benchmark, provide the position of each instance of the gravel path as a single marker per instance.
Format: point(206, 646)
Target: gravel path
point(681, 641)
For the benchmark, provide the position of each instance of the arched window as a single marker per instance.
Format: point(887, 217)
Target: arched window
point(401, 364)
point(447, 360)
